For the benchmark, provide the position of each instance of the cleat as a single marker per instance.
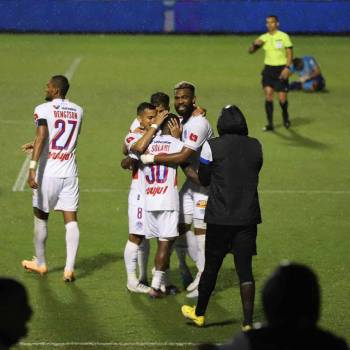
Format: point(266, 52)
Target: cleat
point(155, 293)
point(193, 294)
point(190, 313)
point(32, 266)
point(247, 328)
point(286, 124)
point(268, 128)
point(194, 285)
point(144, 282)
point(68, 276)
point(139, 288)
point(172, 290)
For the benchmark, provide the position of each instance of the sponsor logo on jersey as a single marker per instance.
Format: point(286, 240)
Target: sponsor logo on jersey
point(139, 226)
point(129, 139)
point(156, 190)
point(193, 137)
point(201, 204)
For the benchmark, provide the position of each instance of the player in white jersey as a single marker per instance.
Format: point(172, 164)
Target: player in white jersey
point(193, 197)
point(136, 143)
point(55, 180)
point(162, 202)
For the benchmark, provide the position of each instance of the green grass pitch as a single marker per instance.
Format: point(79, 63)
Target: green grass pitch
point(304, 183)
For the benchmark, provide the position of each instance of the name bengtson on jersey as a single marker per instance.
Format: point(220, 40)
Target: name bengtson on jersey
point(63, 119)
point(195, 132)
point(137, 187)
point(161, 191)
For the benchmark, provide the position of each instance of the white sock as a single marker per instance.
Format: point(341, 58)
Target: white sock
point(130, 259)
point(72, 243)
point(180, 247)
point(192, 245)
point(142, 259)
point(158, 279)
point(201, 253)
point(40, 236)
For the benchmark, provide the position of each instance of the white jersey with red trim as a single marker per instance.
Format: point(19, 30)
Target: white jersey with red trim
point(195, 132)
point(134, 125)
point(137, 187)
point(161, 191)
point(63, 119)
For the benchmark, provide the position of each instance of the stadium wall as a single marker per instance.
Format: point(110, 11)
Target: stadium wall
point(167, 16)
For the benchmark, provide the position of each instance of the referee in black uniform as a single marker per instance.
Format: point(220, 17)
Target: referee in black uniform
point(230, 165)
point(278, 59)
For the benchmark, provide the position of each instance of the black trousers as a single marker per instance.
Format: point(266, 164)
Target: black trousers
point(221, 240)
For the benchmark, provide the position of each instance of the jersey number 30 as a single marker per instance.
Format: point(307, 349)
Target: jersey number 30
point(64, 135)
point(158, 173)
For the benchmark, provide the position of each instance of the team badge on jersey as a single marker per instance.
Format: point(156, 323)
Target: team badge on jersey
point(201, 204)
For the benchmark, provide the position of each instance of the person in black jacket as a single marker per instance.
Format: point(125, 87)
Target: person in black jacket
point(230, 165)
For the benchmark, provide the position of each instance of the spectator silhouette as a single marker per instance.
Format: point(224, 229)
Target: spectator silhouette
point(291, 302)
point(15, 312)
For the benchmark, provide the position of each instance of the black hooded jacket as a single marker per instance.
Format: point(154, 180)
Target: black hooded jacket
point(233, 173)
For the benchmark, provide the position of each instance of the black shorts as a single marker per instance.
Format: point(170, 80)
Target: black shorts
point(239, 240)
point(270, 77)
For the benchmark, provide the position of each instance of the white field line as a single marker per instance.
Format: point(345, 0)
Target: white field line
point(22, 175)
point(114, 344)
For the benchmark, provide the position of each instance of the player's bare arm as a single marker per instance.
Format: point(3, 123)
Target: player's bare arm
point(141, 145)
point(286, 71)
point(191, 173)
point(255, 46)
point(39, 142)
point(28, 147)
point(129, 163)
point(168, 159)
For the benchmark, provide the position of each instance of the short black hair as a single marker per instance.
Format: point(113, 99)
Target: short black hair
point(144, 105)
point(297, 62)
point(185, 85)
point(160, 99)
point(274, 17)
point(62, 83)
point(165, 125)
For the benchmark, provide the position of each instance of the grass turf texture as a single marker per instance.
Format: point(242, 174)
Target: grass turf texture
point(115, 74)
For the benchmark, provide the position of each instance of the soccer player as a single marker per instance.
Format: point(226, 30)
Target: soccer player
point(278, 59)
point(193, 197)
point(162, 202)
point(161, 101)
point(53, 173)
point(136, 143)
point(309, 72)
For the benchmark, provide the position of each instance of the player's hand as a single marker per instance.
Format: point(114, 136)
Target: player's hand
point(147, 158)
point(31, 179)
point(284, 74)
point(127, 163)
point(160, 117)
point(199, 111)
point(28, 147)
point(175, 128)
point(303, 79)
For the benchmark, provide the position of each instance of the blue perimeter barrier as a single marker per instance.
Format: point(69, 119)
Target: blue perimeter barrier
point(166, 16)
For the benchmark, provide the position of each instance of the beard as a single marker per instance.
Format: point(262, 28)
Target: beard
point(184, 110)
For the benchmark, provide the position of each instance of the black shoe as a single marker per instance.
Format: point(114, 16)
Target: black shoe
point(286, 124)
point(268, 128)
point(172, 290)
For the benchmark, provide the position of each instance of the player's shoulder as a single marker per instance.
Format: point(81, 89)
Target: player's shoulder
point(76, 106)
point(198, 121)
point(43, 106)
point(283, 35)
